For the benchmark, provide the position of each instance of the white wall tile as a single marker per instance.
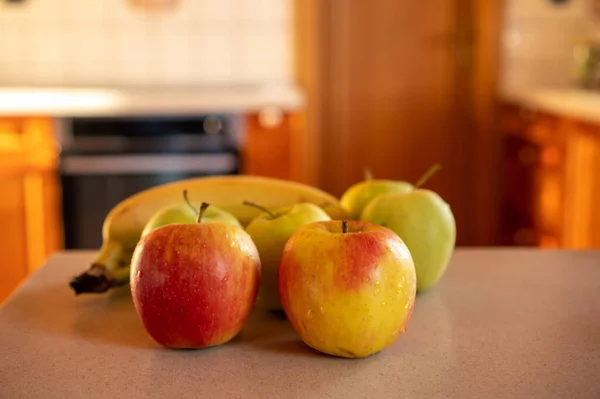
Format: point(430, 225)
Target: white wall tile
point(12, 44)
point(261, 57)
point(120, 10)
point(47, 12)
point(12, 74)
point(538, 40)
point(262, 10)
point(47, 48)
point(211, 57)
point(110, 42)
point(209, 10)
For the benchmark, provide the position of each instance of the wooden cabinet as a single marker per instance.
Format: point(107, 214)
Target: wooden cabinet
point(551, 170)
point(30, 204)
point(273, 144)
point(582, 187)
point(397, 86)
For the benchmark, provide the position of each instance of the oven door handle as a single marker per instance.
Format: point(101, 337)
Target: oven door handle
point(219, 163)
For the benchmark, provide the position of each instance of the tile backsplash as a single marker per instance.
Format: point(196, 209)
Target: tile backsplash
point(109, 42)
point(539, 38)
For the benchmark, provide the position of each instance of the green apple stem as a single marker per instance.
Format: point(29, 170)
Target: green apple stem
point(187, 201)
point(344, 226)
point(262, 208)
point(430, 172)
point(368, 175)
point(201, 211)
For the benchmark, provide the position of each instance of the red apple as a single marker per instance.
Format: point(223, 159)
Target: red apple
point(347, 288)
point(194, 285)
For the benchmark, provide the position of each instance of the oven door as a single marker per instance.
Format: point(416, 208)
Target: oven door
point(93, 185)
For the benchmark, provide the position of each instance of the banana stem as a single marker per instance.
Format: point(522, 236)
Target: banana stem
point(109, 269)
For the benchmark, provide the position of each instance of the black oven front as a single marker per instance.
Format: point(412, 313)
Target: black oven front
point(105, 160)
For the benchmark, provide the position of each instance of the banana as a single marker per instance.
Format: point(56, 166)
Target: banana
point(124, 224)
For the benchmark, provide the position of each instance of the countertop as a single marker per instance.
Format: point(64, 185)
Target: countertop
point(114, 101)
point(578, 104)
point(503, 323)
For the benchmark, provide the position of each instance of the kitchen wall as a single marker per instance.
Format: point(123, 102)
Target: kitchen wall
point(108, 42)
point(538, 40)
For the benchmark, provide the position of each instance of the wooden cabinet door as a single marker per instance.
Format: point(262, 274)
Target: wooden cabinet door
point(272, 144)
point(14, 266)
point(533, 178)
point(396, 96)
point(582, 191)
point(31, 223)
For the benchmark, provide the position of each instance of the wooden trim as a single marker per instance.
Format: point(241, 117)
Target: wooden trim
point(335, 78)
point(308, 64)
point(486, 146)
point(33, 190)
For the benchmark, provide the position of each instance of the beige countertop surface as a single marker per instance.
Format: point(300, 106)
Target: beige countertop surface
point(578, 104)
point(115, 101)
point(503, 323)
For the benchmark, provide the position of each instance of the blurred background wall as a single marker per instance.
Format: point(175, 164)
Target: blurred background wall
point(99, 43)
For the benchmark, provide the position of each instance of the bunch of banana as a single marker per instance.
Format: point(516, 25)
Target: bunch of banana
point(124, 224)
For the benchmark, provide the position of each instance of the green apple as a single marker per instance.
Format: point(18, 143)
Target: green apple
point(270, 231)
point(185, 213)
point(357, 196)
point(425, 222)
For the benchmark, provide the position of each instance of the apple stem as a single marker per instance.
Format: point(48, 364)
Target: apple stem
point(430, 172)
point(201, 211)
point(262, 208)
point(368, 175)
point(187, 200)
point(344, 226)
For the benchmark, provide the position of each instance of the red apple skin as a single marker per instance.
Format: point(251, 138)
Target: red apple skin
point(194, 285)
point(347, 294)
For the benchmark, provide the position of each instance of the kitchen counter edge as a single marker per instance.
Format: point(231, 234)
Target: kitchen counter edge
point(116, 101)
point(574, 103)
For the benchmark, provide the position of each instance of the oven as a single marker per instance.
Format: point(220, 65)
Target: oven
point(105, 160)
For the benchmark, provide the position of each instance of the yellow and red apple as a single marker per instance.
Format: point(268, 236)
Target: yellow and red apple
point(194, 285)
point(347, 288)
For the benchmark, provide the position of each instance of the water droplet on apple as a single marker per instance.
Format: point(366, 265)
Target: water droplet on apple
point(309, 314)
point(376, 289)
point(383, 303)
point(321, 309)
point(407, 305)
